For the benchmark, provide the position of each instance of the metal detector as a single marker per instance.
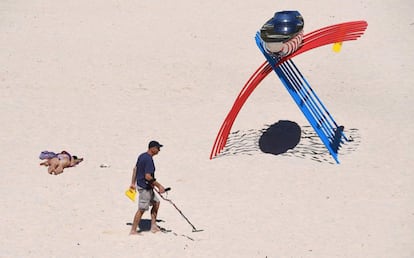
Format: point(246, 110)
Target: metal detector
point(175, 206)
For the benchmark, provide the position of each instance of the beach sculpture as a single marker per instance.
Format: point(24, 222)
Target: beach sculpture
point(280, 39)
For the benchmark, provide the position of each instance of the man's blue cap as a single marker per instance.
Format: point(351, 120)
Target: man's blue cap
point(154, 144)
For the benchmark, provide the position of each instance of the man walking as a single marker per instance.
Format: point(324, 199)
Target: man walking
point(143, 180)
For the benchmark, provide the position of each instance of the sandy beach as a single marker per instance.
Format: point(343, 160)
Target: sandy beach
point(101, 79)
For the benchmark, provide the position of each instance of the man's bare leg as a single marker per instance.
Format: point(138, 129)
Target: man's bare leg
point(154, 211)
point(137, 219)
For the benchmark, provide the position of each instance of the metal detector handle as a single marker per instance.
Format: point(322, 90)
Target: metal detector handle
point(167, 189)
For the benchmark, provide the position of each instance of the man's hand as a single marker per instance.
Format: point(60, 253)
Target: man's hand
point(161, 189)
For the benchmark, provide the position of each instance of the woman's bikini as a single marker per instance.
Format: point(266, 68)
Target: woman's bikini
point(64, 155)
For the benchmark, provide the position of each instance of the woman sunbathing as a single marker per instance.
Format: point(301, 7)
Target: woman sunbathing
point(56, 163)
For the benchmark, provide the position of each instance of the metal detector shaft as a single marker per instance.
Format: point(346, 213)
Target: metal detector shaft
point(175, 206)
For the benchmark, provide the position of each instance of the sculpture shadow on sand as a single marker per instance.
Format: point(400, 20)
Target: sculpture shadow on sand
point(286, 138)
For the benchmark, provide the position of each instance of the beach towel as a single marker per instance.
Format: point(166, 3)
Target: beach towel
point(47, 155)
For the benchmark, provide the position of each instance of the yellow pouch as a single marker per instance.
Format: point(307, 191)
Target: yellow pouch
point(130, 193)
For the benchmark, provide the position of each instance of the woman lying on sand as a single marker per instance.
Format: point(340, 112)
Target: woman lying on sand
point(57, 162)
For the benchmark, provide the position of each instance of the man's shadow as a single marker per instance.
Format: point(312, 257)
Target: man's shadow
point(145, 224)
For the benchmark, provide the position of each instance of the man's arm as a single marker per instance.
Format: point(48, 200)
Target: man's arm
point(134, 178)
point(154, 183)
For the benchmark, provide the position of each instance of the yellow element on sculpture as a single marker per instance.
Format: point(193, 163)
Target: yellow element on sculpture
point(337, 47)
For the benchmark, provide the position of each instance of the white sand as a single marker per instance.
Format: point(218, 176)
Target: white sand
point(102, 78)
